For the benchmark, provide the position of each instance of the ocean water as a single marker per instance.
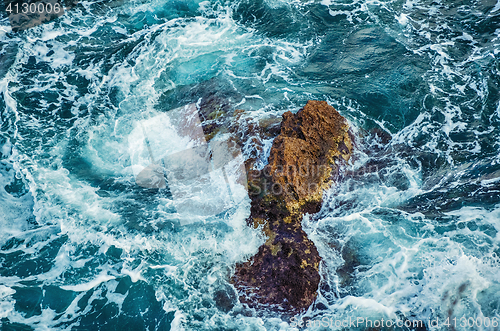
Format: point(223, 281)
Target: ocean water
point(410, 233)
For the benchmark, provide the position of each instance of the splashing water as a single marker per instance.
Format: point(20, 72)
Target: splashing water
point(411, 232)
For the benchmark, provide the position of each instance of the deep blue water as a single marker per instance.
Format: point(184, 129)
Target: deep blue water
point(411, 232)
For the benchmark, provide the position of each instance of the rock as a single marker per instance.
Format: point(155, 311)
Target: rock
point(304, 153)
point(225, 298)
point(303, 162)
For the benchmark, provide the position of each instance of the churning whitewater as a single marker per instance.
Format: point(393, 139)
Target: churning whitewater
point(409, 234)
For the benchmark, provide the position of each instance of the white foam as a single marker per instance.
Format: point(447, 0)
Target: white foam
point(496, 8)
point(83, 287)
point(135, 274)
point(402, 19)
point(6, 302)
point(177, 322)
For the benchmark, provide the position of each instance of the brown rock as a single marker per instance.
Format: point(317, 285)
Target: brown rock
point(303, 162)
point(304, 153)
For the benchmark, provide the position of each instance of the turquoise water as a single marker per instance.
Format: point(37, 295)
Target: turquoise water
point(410, 233)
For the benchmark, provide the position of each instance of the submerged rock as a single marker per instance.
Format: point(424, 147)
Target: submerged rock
point(303, 162)
point(225, 298)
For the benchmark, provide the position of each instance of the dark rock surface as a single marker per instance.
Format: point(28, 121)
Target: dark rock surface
point(303, 162)
point(225, 298)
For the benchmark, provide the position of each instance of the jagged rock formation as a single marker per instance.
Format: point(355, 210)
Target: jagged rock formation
point(304, 161)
